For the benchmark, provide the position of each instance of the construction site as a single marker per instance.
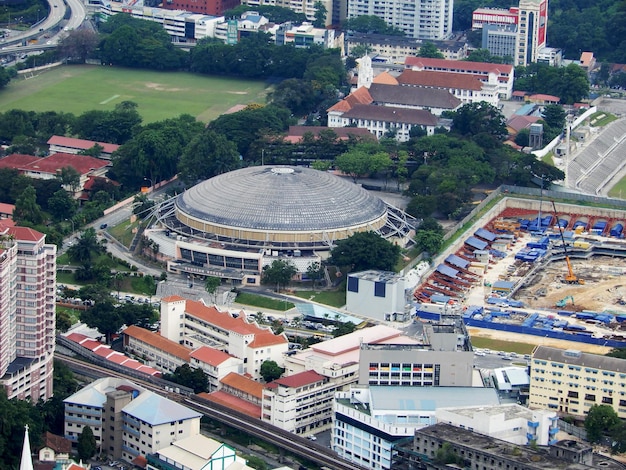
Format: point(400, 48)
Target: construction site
point(537, 269)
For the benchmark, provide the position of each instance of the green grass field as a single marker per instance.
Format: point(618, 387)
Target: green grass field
point(619, 190)
point(160, 95)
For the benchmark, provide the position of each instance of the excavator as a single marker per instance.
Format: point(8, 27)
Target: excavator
point(570, 277)
point(563, 302)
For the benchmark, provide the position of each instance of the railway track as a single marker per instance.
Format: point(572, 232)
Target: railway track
point(293, 443)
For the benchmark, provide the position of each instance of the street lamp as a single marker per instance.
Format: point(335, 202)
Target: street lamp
point(151, 182)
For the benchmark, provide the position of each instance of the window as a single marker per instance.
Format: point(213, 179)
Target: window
point(353, 284)
point(379, 289)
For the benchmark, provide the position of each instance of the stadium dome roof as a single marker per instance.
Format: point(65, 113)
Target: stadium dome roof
point(280, 198)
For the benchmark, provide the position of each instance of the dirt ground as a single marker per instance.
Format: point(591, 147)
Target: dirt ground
point(537, 340)
point(604, 288)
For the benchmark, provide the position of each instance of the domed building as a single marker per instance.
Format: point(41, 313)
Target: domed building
point(234, 224)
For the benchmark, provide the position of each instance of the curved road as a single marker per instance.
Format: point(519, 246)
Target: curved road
point(54, 19)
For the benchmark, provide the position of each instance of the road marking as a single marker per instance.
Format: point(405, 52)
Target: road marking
point(109, 99)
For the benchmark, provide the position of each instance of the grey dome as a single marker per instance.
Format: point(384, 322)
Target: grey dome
point(281, 198)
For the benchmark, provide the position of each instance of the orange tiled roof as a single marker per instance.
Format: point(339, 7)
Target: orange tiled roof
point(267, 338)
point(210, 356)
point(385, 78)
point(57, 443)
point(298, 380)
point(158, 342)
point(244, 384)
point(235, 403)
point(173, 298)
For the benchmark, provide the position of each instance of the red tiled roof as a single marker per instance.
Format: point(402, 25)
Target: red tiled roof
point(519, 93)
point(55, 162)
point(25, 234)
point(6, 208)
point(118, 358)
point(104, 352)
point(17, 161)
point(429, 78)
point(57, 443)
point(243, 383)
point(211, 356)
point(91, 344)
point(80, 143)
point(140, 461)
point(517, 123)
point(299, 380)
point(445, 64)
point(235, 403)
point(173, 298)
point(76, 337)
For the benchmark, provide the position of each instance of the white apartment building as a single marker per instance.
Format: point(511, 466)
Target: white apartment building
point(420, 20)
point(27, 312)
point(126, 419)
point(501, 75)
point(306, 7)
point(369, 420)
point(395, 49)
point(299, 403)
point(193, 325)
point(511, 422)
point(571, 381)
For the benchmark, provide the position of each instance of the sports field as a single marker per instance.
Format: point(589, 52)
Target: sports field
point(160, 95)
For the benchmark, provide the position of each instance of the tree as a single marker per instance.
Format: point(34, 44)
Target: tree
point(554, 116)
point(26, 208)
point(428, 241)
point(207, 155)
point(195, 379)
point(104, 317)
point(617, 352)
point(362, 159)
point(371, 24)
point(86, 247)
point(314, 271)
point(280, 272)
point(320, 15)
point(5, 77)
point(523, 138)
point(365, 250)
point(79, 44)
point(601, 419)
point(211, 284)
point(479, 118)
point(62, 206)
point(270, 371)
point(70, 176)
point(343, 328)
point(430, 50)
point(86, 445)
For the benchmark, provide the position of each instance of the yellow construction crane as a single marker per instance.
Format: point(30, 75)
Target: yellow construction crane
point(570, 277)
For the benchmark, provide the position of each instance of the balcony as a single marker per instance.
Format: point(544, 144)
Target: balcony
point(553, 431)
point(533, 424)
